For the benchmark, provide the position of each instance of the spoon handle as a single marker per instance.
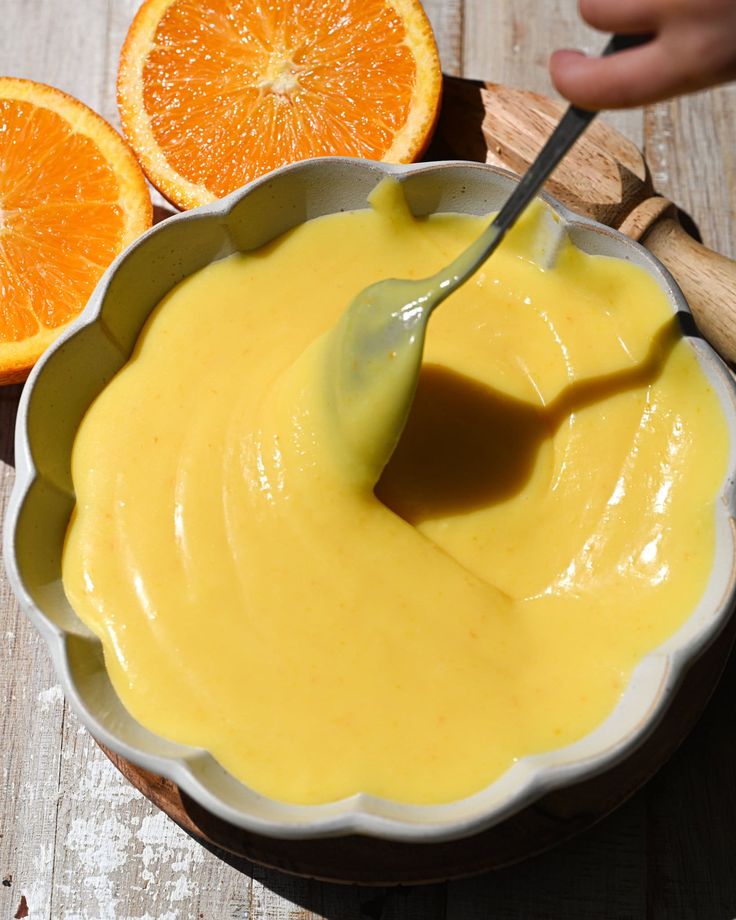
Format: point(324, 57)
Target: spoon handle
point(571, 126)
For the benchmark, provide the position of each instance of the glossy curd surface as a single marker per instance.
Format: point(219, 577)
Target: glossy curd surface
point(546, 520)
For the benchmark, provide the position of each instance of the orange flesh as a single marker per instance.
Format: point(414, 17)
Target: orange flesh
point(314, 80)
point(60, 221)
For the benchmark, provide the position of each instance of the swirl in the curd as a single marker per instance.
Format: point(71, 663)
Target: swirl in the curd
point(547, 519)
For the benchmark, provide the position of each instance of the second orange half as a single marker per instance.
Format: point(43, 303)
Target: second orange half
point(214, 93)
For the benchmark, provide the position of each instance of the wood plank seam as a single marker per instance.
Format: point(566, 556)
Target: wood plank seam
point(58, 808)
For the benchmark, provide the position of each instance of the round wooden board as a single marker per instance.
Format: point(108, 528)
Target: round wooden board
point(551, 820)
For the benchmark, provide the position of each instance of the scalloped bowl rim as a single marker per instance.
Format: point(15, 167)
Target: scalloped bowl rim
point(643, 703)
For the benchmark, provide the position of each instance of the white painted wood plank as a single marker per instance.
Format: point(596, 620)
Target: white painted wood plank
point(119, 858)
point(60, 42)
point(30, 726)
point(446, 17)
point(692, 155)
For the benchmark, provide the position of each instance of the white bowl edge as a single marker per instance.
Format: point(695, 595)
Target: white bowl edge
point(642, 705)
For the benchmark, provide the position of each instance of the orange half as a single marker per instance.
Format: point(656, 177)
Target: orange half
point(71, 198)
point(213, 93)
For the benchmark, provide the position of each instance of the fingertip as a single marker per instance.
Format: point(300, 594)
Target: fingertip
point(622, 80)
point(563, 65)
point(560, 57)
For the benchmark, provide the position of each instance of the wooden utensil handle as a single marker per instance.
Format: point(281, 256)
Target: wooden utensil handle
point(707, 279)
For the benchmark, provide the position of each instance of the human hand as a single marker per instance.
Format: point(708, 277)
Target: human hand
point(693, 47)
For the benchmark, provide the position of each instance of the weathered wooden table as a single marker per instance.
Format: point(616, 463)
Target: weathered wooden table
point(78, 843)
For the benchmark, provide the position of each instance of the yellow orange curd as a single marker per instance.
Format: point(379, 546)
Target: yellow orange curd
point(547, 519)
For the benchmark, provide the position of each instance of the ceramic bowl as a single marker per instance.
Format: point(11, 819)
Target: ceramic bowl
point(82, 362)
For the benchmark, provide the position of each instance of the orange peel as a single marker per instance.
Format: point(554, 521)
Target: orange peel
point(72, 197)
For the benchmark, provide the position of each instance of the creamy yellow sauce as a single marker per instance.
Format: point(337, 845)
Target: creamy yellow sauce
point(547, 519)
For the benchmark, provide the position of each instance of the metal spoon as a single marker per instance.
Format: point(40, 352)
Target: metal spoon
point(375, 351)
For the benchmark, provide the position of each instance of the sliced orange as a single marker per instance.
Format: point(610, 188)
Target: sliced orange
point(213, 93)
point(71, 198)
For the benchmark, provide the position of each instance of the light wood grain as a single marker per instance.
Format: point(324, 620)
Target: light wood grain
point(707, 279)
point(603, 176)
point(80, 844)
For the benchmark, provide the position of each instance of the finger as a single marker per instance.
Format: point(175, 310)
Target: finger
point(623, 80)
point(628, 16)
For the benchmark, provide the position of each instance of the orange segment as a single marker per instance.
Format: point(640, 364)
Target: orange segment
point(213, 93)
point(71, 198)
